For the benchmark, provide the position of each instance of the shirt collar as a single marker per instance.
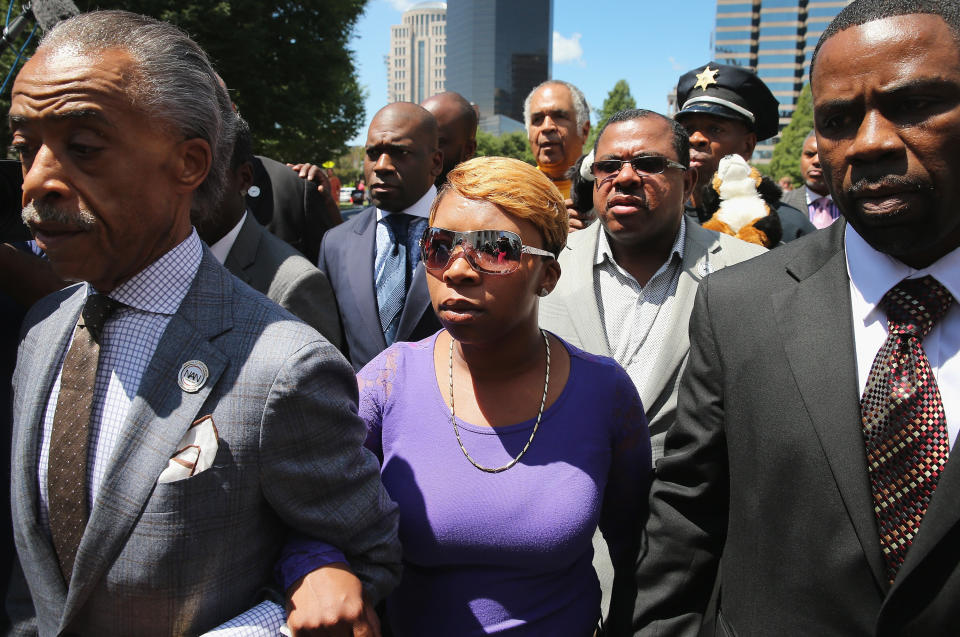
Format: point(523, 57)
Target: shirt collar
point(161, 286)
point(872, 273)
point(604, 253)
point(222, 248)
point(421, 208)
point(812, 196)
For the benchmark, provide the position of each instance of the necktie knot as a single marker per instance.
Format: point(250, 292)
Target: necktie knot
point(398, 223)
point(97, 309)
point(914, 306)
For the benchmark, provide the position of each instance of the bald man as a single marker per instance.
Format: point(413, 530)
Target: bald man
point(373, 260)
point(457, 120)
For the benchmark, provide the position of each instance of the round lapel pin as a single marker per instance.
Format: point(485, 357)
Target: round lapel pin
point(254, 191)
point(193, 375)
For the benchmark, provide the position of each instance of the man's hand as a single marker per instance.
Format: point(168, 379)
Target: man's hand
point(574, 222)
point(329, 602)
point(314, 173)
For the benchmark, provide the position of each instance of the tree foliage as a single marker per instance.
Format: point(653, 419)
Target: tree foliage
point(786, 154)
point(286, 63)
point(618, 99)
point(514, 145)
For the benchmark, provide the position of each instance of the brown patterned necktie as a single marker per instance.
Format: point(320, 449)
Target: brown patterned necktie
point(904, 425)
point(67, 466)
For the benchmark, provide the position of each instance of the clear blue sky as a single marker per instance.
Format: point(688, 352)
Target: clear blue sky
point(646, 42)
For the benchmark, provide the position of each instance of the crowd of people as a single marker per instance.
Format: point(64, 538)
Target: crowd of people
point(502, 398)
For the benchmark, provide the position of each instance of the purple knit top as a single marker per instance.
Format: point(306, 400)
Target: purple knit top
point(507, 553)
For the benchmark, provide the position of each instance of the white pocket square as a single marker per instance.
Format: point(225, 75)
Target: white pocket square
point(195, 452)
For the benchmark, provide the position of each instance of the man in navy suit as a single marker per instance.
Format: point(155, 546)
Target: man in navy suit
point(373, 260)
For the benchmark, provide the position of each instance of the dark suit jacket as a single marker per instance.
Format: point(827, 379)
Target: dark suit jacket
point(182, 557)
point(346, 256)
point(765, 474)
point(798, 199)
point(290, 207)
point(275, 269)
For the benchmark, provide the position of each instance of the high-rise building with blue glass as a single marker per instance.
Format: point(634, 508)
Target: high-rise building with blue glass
point(497, 51)
point(776, 39)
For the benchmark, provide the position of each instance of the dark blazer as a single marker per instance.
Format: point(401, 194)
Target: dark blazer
point(275, 269)
point(765, 473)
point(797, 198)
point(347, 254)
point(290, 207)
point(182, 557)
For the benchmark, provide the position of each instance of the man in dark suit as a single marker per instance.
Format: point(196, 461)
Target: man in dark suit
point(260, 259)
point(373, 259)
point(814, 197)
point(290, 207)
point(808, 464)
point(727, 110)
point(170, 425)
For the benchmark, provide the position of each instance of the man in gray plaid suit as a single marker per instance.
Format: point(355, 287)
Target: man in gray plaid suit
point(171, 425)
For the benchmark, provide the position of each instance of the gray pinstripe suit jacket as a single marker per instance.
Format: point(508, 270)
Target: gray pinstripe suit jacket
point(179, 558)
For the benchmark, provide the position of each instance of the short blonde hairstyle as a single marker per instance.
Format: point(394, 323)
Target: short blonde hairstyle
point(517, 188)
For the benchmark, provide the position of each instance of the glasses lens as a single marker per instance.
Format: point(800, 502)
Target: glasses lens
point(649, 164)
point(495, 251)
point(437, 245)
point(490, 251)
point(605, 167)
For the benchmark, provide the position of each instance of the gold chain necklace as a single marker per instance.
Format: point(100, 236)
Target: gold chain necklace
point(543, 401)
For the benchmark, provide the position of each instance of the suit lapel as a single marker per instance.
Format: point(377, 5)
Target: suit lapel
point(358, 259)
point(942, 517)
point(815, 326)
point(159, 415)
point(243, 253)
point(416, 303)
point(581, 298)
point(36, 551)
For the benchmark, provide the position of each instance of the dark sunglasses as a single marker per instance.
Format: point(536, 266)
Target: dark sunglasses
point(604, 169)
point(488, 251)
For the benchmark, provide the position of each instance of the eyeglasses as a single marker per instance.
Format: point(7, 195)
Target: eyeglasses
point(604, 169)
point(487, 251)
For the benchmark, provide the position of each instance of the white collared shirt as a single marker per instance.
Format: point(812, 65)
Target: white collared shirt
point(813, 196)
point(129, 341)
point(629, 310)
point(221, 249)
point(872, 274)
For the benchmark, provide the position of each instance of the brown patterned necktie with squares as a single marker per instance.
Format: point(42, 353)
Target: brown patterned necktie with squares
point(69, 442)
point(904, 425)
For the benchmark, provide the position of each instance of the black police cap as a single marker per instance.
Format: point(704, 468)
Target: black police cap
point(728, 91)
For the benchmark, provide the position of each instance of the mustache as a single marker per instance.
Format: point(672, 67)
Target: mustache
point(893, 182)
point(34, 213)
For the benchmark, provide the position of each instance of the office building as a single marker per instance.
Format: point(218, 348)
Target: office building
point(776, 39)
point(415, 64)
point(499, 50)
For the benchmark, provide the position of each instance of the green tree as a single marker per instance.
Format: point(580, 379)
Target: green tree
point(786, 154)
point(618, 99)
point(513, 144)
point(286, 63)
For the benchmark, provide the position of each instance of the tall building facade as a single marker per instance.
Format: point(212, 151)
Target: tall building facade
point(500, 50)
point(776, 39)
point(416, 67)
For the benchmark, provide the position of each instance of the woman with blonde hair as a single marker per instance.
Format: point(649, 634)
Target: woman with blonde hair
point(503, 446)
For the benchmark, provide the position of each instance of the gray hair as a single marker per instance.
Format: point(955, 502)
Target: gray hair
point(176, 82)
point(580, 105)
